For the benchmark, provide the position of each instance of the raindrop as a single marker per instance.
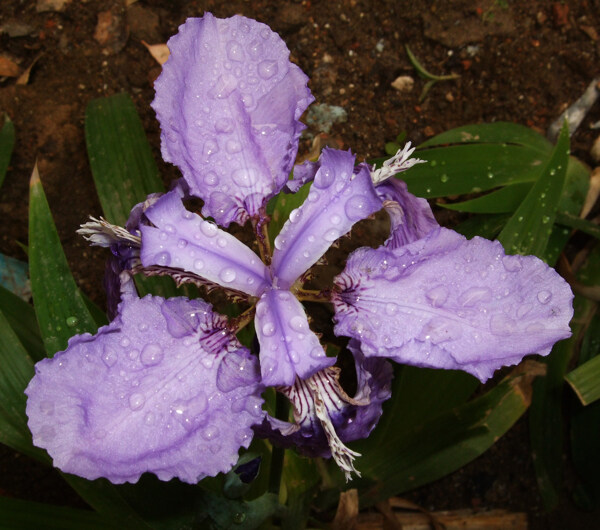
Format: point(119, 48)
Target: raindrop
point(208, 229)
point(162, 259)
point(210, 433)
point(437, 296)
point(222, 242)
point(324, 178)
point(136, 401)
point(198, 264)
point(444, 178)
point(545, 219)
point(267, 69)
point(295, 215)
point(210, 179)
point(512, 263)
point(297, 323)
point(391, 309)
point(239, 518)
point(474, 296)
point(268, 329)
point(235, 51)
point(233, 146)
point(356, 208)
point(210, 147)
point(227, 275)
point(245, 177)
point(72, 321)
point(331, 235)
point(279, 242)
point(152, 354)
point(544, 297)
point(433, 163)
point(335, 219)
point(317, 352)
point(293, 355)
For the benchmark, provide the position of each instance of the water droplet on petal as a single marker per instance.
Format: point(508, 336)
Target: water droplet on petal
point(149, 418)
point(198, 264)
point(268, 329)
point(512, 263)
point(474, 296)
point(152, 354)
point(279, 242)
point(544, 297)
point(227, 275)
point(47, 407)
point(391, 308)
point(208, 229)
point(331, 235)
point(437, 296)
point(233, 146)
point(210, 179)
point(210, 148)
point(335, 219)
point(356, 208)
point(162, 259)
point(293, 355)
point(317, 352)
point(222, 242)
point(210, 433)
point(324, 178)
point(136, 401)
point(245, 177)
point(295, 215)
point(267, 69)
point(235, 52)
point(297, 323)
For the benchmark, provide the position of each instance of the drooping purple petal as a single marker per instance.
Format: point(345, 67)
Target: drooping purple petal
point(183, 240)
point(351, 418)
point(164, 388)
point(288, 347)
point(339, 197)
point(303, 173)
point(229, 101)
point(411, 217)
point(445, 302)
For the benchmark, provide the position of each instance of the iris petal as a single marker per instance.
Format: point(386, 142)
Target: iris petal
point(229, 103)
point(137, 397)
point(445, 302)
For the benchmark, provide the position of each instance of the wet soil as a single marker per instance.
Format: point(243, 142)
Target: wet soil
point(517, 61)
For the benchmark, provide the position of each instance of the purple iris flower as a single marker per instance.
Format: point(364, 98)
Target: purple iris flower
point(167, 388)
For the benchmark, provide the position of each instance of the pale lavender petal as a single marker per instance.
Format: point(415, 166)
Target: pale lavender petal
point(164, 388)
point(339, 197)
point(353, 418)
point(288, 347)
point(445, 302)
point(181, 239)
point(229, 101)
point(303, 173)
point(411, 217)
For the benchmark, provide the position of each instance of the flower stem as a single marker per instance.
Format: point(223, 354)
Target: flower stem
point(308, 295)
point(261, 228)
point(278, 453)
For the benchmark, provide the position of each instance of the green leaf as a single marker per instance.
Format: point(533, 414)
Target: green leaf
point(504, 200)
point(218, 513)
point(446, 442)
point(494, 133)
point(17, 370)
point(585, 381)
point(122, 164)
point(123, 167)
point(21, 318)
point(529, 229)
point(59, 306)
point(28, 515)
point(488, 226)
point(7, 142)
point(572, 221)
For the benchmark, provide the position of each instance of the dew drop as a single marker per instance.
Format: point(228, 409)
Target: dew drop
point(72, 321)
point(222, 242)
point(279, 242)
point(295, 215)
point(324, 178)
point(245, 177)
point(512, 263)
point(391, 309)
point(474, 296)
point(544, 297)
point(235, 51)
point(444, 178)
point(210, 148)
point(437, 296)
point(335, 219)
point(136, 401)
point(152, 354)
point(268, 329)
point(331, 235)
point(233, 146)
point(162, 259)
point(149, 418)
point(198, 264)
point(293, 355)
point(297, 323)
point(211, 179)
point(210, 433)
point(356, 208)
point(208, 229)
point(227, 275)
point(267, 69)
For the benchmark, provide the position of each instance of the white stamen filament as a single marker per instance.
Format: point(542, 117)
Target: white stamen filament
point(101, 233)
point(401, 161)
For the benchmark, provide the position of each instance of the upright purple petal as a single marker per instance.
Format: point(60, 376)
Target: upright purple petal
point(229, 103)
point(288, 347)
point(181, 239)
point(445, 302)
point(339, 197)
point(164, 388)
point(411, 217)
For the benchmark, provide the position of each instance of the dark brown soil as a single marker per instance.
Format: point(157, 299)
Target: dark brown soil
point(517, 61)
